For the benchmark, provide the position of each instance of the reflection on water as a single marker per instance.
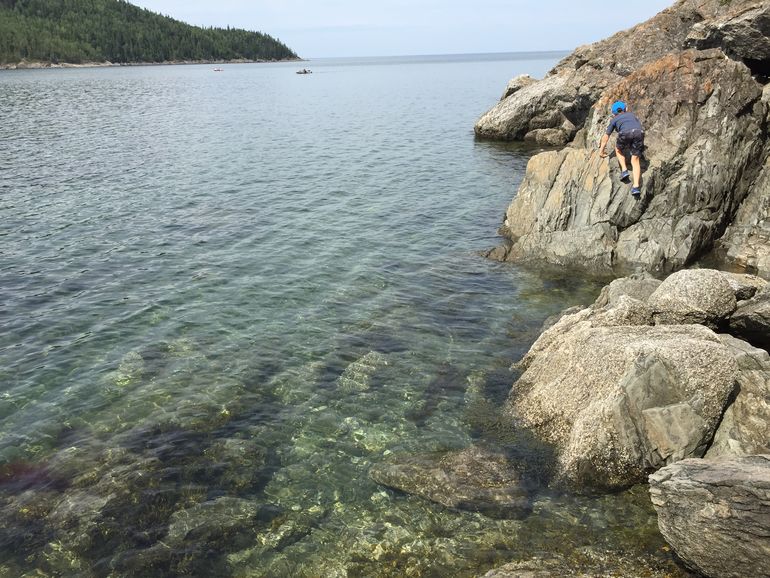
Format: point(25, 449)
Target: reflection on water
point(226, 296)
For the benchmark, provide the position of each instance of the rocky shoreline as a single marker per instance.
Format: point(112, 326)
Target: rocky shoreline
point(654, 379)
point(665, 379)
point(37, 65)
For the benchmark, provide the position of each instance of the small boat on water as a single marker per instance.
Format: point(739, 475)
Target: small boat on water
point(218, 69)
point(304, 71)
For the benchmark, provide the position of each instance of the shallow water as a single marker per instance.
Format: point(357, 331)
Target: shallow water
point(226, 295)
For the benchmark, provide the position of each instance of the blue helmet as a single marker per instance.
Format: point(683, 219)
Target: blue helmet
point(618, 107)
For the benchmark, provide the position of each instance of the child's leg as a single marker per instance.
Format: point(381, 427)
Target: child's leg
point(621, 159)
point(636, 165)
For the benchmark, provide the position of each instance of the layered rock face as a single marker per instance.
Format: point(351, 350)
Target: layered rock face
point(706, 128)
point(746, 243)
point(716, 514)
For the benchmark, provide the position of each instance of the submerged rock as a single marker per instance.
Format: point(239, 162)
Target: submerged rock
point(212, 521)
point(474, 479)
point(358, 375)
point(716, 514)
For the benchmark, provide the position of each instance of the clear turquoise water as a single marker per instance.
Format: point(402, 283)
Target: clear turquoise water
point(226, 294)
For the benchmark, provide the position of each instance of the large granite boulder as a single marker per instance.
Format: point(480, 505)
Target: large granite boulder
point(638, 287)
point(620, 401)
point(553, 109)
point(716, 514)
point(702, 296)
point(752, 320)
point(745, 426)
point(475, 479)
point(571, 209)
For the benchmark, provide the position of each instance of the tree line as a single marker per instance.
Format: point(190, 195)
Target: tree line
point(75, 31)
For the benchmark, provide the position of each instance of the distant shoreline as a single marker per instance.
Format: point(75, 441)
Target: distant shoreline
point(39, 65)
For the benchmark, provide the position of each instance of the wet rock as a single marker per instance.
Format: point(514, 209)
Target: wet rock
point(535, 568)
point(212, 521)
point(745, 427)
point(582, 564)
point(752, 320)
point(618, 402)
point(716, 514)
point(693, 296)
point(358, 375)
point(474, 479)
point(236, 463)
point(284, 531)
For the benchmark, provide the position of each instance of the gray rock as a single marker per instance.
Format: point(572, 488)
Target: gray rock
point(618, 402)
point(741, 30)
point(626, 311)
point(745, 286)
point(716, 514)
point(569, 90)
point(752, 320)
point(516, 84)
point(475, 479)
point(693, 296)
point(745, 427)
point(746, 243)
point(639, 287)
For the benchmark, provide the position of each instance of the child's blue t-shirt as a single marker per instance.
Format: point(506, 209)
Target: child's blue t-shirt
point(624, 122)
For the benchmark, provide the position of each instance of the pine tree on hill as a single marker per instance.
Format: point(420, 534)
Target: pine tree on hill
point(76, 31)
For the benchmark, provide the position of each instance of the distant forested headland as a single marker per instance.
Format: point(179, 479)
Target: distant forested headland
point(77, 31)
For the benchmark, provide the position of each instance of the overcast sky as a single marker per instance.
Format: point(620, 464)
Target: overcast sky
point(316, 29)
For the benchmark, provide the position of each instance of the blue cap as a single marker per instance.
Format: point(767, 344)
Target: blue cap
point(618, 107)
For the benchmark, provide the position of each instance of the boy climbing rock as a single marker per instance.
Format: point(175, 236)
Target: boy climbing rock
point(630, 139)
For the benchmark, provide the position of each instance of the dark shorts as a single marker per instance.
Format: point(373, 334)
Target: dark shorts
point(631, 141)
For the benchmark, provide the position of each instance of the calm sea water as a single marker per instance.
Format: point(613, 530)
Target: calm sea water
point(225, 295)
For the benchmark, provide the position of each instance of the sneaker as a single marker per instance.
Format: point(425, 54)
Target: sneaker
point(625, 176)
point(636, 192)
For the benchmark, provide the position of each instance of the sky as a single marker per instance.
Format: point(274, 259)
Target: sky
point(333, 28)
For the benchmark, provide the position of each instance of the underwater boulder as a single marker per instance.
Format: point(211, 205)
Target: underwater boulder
point(474, 479)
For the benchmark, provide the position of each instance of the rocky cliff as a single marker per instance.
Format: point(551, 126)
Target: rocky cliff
point(695, 75)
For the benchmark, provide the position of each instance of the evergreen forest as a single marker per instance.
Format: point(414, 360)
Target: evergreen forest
point(76, 31)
